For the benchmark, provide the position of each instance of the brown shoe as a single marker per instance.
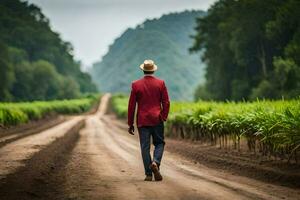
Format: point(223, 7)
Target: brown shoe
point(148, 178)
point(155, 170)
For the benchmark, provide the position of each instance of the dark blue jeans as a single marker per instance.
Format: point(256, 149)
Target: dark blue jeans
point(157, 133)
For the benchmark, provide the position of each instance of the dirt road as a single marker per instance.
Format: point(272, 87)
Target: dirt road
point(105, 163)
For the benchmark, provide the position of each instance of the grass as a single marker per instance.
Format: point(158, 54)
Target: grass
point(119, 105)
point(16, 113)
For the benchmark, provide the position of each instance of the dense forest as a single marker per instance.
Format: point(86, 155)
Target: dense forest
point(166, 40)
point(35, 63)
point(251, 49)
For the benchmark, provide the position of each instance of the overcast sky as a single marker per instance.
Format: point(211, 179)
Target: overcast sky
point(92, 25)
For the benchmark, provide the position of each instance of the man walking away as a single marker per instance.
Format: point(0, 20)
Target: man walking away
point(151, 96)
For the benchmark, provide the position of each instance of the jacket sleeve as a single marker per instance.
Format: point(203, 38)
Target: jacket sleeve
point(165, 103)
point(131, 106)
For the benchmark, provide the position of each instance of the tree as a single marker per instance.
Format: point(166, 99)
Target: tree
point(6, 74)
point(69, 88)
point(201, 93)
point(48, 84)
point(242, 41)
point(22, 88)
point(30, 43)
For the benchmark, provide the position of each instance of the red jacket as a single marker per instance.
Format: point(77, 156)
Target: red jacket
point(151, 96)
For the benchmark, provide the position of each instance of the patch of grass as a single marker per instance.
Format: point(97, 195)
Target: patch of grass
point(17, 113)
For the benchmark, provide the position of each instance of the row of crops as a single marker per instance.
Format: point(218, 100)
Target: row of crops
point(16, 113)
point(119, 104)
point(269, 128)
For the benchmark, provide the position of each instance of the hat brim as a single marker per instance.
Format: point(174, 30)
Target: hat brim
point(152, 70)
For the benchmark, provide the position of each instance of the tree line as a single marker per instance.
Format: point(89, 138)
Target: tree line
point(251, 49)
point(35, 63)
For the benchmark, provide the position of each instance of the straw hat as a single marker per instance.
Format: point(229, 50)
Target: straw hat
point(148, 66)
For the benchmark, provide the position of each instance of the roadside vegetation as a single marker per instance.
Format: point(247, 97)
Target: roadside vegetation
point(119, 105)
point(16, 113)
point(269, 128)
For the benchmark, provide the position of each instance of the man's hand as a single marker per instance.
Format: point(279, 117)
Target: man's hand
point(131, 130)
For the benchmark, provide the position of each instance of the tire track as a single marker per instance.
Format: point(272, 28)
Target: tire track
point(11, 137)
point(33, 179)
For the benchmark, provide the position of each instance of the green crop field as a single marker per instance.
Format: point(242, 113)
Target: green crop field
point(271, 128)
point(17, 113)
point(119, 104)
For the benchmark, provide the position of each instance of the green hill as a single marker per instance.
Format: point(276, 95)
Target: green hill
point(166, 41)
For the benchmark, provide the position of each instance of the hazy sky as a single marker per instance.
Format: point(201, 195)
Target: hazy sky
point(92, 25)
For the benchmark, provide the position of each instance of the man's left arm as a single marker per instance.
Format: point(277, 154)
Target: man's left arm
point(165, 103)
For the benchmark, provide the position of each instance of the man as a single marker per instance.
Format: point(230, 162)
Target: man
point(151, 96)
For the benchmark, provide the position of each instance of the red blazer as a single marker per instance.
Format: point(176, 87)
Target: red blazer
point(151, 96)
